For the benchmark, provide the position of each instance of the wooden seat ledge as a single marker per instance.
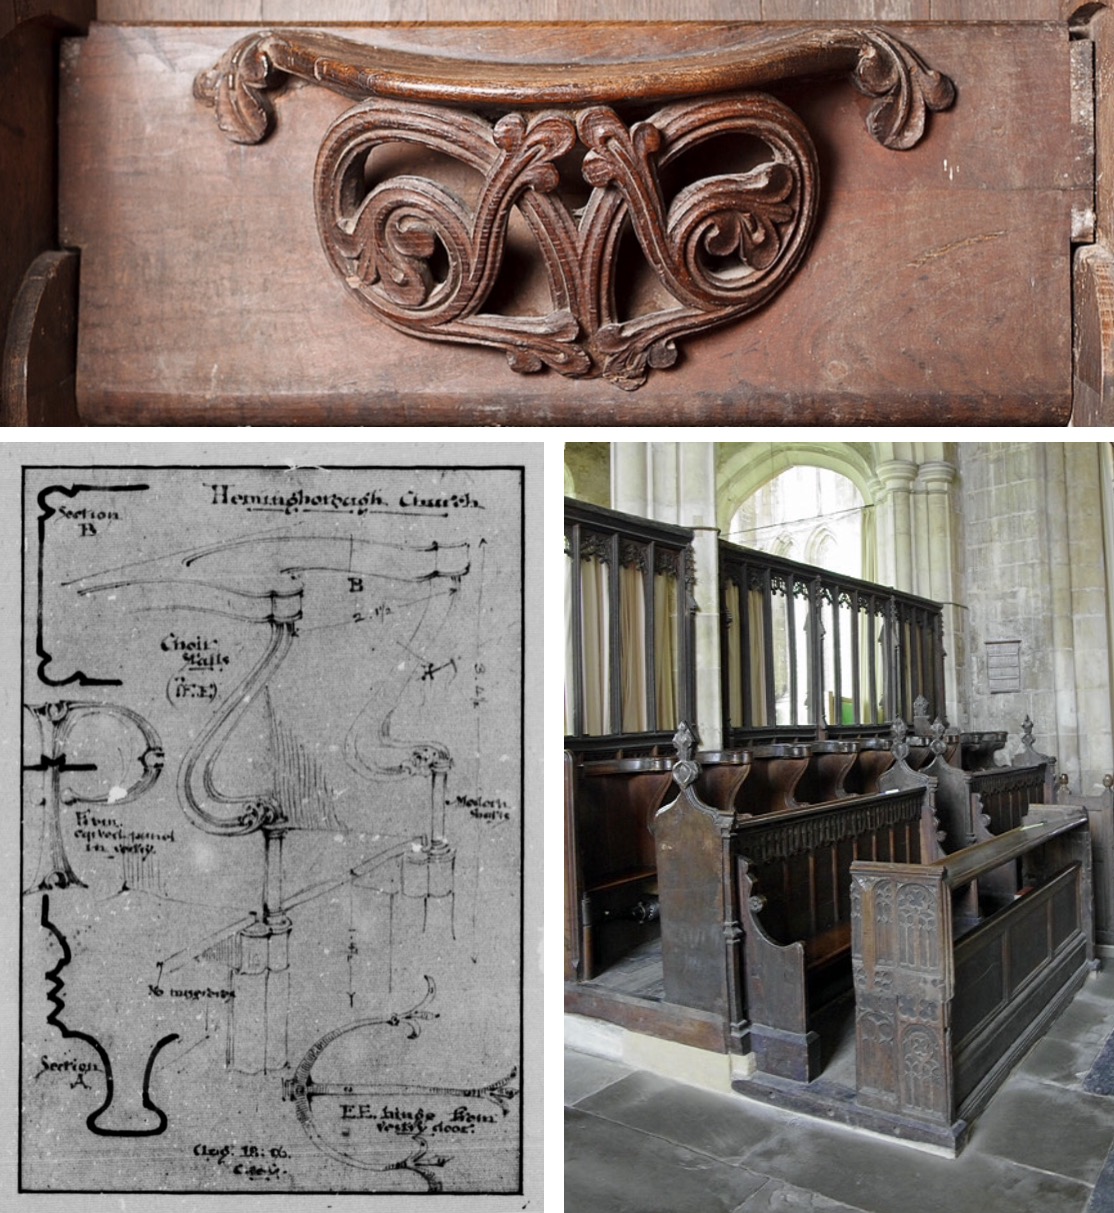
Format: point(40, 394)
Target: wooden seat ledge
point(737, 57)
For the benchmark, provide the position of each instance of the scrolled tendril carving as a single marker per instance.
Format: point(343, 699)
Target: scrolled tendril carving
point(427, 260)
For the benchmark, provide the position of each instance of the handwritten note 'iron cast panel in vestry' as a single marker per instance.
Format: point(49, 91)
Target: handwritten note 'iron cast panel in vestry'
point(272, 824)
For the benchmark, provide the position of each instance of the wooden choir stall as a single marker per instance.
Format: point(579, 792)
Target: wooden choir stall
point(875, 918)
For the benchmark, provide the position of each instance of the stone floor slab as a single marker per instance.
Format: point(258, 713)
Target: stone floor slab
point(726, 1127)
point(882, 1176)
point(1055, 1060)
point(777, 1197)
point(1076, 1129)
point(585, 1074)
point(610, 1168)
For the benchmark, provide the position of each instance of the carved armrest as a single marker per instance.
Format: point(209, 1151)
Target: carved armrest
point(583, 157)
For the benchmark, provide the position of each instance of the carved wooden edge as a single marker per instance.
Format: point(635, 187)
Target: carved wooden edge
point(881, 66)
point(1093, 355)
point(573, 959)
point(38, 373)
point(902, 960)
point(67, 15)
point(688, 815)
point(425, 261)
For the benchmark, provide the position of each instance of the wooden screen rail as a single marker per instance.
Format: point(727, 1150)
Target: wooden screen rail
point(425, 261)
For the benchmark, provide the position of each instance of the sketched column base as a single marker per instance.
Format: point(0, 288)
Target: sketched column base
point(427, 872)
point(262, 999)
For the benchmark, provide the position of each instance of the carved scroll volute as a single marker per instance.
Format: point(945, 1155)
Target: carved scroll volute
point(426, 261)
point(722, 247)
point(384, 242)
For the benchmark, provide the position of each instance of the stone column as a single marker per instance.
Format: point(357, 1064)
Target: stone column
point(895, 522)
point(629, 463)
point(697, 509)
point(675, 482)
point(1066, 724)
point(935, 479)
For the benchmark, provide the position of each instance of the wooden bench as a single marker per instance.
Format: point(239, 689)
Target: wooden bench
point(1100, 818)
point(976, 804)
point(825, 776)
point(697, 837)
point(610, 803)
point(943, 1013)
point(792, 870)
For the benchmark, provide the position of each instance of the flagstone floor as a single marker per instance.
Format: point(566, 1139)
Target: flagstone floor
point(639, 1143)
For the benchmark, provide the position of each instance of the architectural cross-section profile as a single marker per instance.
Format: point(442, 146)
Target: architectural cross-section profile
point(576, 156)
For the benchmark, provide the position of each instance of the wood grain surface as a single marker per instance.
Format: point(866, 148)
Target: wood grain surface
point(937, 290)
point(363, 11)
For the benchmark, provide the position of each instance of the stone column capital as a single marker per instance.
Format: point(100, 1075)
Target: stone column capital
point(936, 475)
point(896, 474)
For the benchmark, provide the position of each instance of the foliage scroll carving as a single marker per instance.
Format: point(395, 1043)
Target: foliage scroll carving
point(586, 178)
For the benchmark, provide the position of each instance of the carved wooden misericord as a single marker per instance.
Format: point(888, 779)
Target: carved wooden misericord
point(583, 155)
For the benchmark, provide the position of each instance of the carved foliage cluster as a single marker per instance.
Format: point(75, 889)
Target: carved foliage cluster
point(426, 261)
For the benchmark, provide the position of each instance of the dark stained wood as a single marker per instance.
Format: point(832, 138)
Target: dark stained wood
point(829, 764)
point(873, 759)
point(940, 1019)
point(701, 937)
point(29, 38)
point(352, 11)
point(236, 314)
point(615, 861)
point(1094, 336)
point(40, 353)
point(776, 771)
point(722, 775)
point(754, 58)
point(793, 898)
point(648, 1016)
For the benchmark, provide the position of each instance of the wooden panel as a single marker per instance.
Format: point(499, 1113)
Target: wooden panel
point(72, 14)
point(213, 11)
point(37, 375)
point(1102, 31)
point(694, 909)
point(29, 36)
point(204, 285)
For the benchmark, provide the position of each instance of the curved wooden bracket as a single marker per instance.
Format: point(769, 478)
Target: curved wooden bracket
point(427, 260)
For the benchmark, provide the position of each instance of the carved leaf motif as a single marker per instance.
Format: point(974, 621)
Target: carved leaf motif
point(721, 248)
point(905, 85)
point(386, 240)
point(733, 216)
point(236, 86)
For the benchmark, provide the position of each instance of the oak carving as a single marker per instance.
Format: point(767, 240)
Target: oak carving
point(426, 260)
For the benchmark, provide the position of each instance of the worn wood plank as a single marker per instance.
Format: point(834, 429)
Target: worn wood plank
point(1102, 32)
point(1094, 336)
point(1083, 139)
point(846, 10)
point(29, 35)
point(208, 295)
point(996, 10)
point(38, 370)
point(363, 11)
point(213, 12)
